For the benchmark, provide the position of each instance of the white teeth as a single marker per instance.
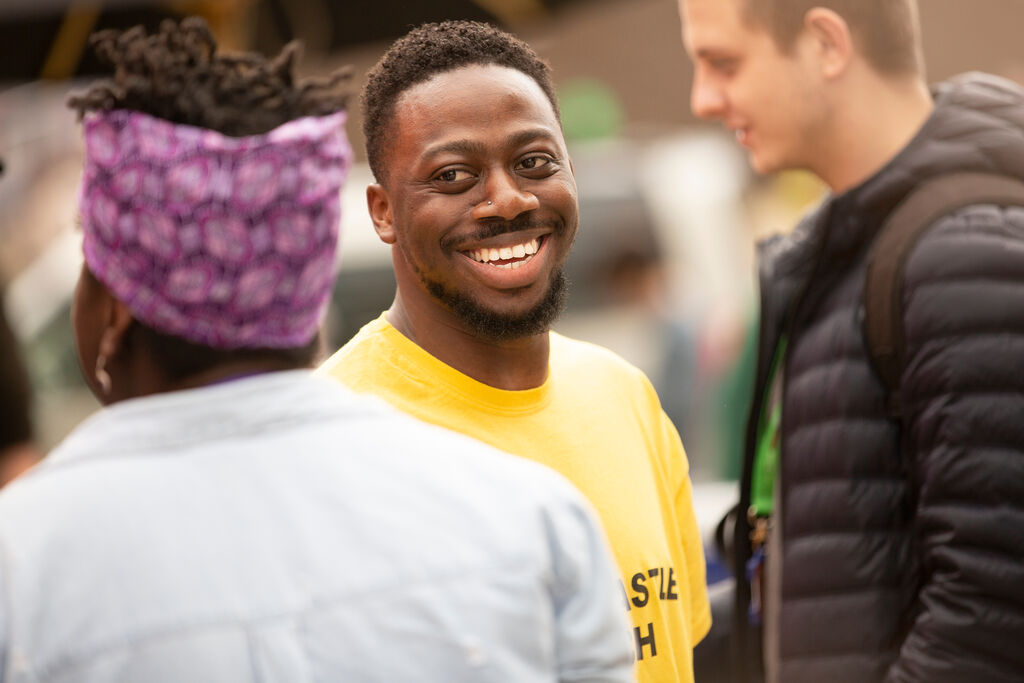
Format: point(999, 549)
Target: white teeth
point(519, 251)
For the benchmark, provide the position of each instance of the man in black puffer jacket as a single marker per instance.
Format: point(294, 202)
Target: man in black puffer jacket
point(875, 548)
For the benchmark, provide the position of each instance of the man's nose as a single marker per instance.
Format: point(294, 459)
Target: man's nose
point(505, 198)
point(706, 100)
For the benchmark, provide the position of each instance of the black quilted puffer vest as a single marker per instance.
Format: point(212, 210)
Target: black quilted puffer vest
point(888, 570)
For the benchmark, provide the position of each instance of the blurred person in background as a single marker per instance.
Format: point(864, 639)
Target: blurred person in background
point(881, 531)
point(637, 277)
point(18, 451)
point(227, 516)
point(476, 196)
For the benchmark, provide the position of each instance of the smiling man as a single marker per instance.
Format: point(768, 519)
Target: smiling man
point(476, 195)
point(881, 503)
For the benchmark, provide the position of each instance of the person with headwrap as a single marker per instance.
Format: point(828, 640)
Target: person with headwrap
point(228, 516)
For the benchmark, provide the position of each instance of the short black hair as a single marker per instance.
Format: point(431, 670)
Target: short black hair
point(178, 74)
point(432, 49)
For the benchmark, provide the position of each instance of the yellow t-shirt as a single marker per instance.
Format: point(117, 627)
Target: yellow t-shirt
point(598, 421)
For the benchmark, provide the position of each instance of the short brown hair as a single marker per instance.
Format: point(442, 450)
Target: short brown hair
point(887, 32)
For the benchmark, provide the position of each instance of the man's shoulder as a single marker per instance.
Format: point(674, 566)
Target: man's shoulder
point(974, 239)
point(402, 446)
point(574, 355)
point(364, 361)
point(450, 455)
point(593, 370)
point(373, 437)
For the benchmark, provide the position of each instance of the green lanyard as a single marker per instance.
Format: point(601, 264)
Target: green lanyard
point(769, 432)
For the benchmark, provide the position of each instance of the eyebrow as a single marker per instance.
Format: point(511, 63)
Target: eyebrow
point(713, 53)
point(467, 147)
point(472, 147)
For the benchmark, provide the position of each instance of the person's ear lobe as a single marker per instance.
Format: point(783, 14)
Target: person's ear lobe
point(831, 40)
point(119, 321)
point(379, 204)
point(116, 321)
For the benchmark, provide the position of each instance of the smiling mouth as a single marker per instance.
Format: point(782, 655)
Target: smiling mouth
point(507, 257)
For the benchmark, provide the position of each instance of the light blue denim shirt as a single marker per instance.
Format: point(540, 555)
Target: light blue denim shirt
point(280, 528)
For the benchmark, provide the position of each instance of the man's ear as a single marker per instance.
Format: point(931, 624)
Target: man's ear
point(832, 41)
point(379, 204)
point(119, 321)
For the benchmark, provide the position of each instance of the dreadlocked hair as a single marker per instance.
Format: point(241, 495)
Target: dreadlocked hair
point(178, 75)
point(432, 49)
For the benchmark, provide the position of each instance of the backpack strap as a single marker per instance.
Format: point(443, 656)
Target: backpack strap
point(883, 285)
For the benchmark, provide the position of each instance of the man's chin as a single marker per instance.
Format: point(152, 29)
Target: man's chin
point(493, 325)
point(763, 165)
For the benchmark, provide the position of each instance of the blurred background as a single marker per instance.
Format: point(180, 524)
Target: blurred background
point(662, 272)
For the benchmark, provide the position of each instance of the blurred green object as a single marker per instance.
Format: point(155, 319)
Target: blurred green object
point(733, 405)
point(590, 110)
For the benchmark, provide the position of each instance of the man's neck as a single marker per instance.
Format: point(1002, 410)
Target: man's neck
point(512, 365)
point(144, 377)
point(872, 124)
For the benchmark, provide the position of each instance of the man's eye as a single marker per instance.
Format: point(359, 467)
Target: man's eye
point(452, 175)
point(534, 162)
point(725, 66)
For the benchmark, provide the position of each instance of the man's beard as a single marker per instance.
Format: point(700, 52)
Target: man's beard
point(494, 326)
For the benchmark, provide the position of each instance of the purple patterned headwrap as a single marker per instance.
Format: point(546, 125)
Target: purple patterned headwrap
point(226, 242)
